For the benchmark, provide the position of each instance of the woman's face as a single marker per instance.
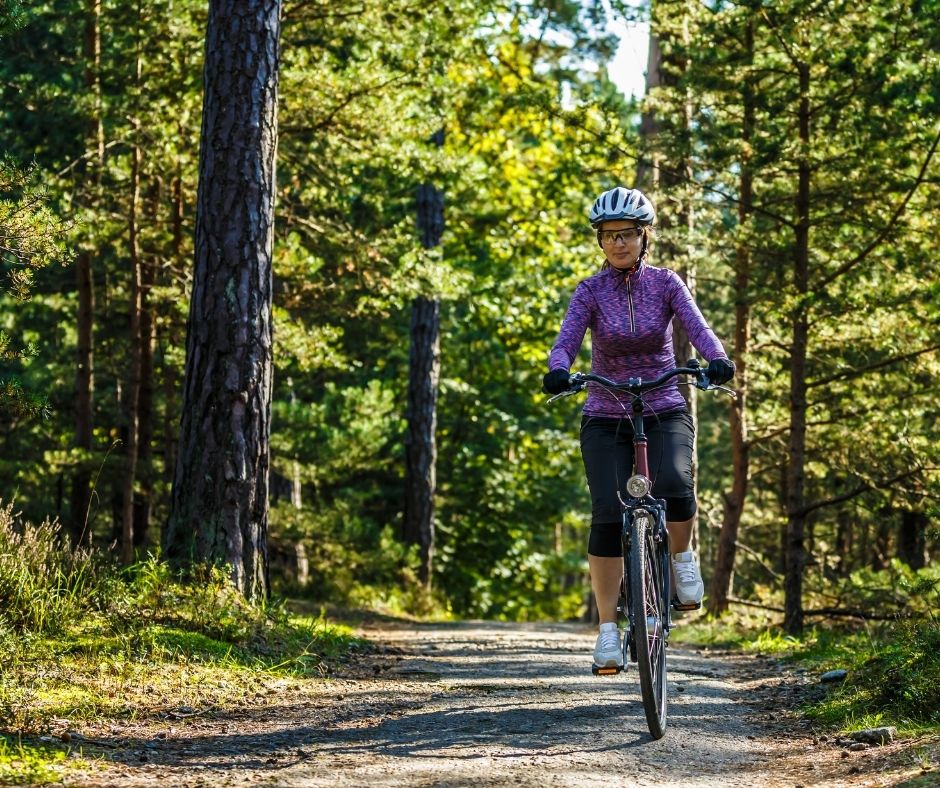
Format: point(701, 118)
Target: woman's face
point(621, 248)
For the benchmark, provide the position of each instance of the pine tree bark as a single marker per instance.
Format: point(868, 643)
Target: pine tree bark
point(883, 527)
point(843, 546)
point(423, 375)
point(723, 572)
point(132, 389)
point(80, 502)
point(143, 498)
point(420, 443)
point(799, 351)
point(219, 508)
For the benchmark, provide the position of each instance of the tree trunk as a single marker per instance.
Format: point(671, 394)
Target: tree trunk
point(423, 374)
point(912, 539)
point(883, 527)
point(647, 170)
point(143, 499)
point(84, 401)
point(420, 444)
point(669, 182)
point(799, 350)
point(219, 508)
point(740, 448)
point(85, 361)
point(171, 413)
point(132, 391)
point(843, 548)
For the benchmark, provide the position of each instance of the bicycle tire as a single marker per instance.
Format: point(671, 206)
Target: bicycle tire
point(649, 621)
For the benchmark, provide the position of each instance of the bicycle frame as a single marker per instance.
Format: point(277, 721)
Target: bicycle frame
point(656, 509)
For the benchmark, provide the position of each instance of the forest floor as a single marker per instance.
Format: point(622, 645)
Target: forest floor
point(479, 703)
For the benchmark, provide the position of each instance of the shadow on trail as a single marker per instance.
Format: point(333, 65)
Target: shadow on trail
point(470, 693)
point(505, 719)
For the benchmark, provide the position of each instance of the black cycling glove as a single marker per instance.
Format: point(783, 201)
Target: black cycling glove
point(719, 371)
point(556, 381)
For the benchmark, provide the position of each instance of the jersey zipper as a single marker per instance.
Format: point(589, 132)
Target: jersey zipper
point(630, 299)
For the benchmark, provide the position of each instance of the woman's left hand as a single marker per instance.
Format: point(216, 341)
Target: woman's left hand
point(719, 371)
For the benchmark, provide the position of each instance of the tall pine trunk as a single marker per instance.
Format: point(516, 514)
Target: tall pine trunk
point(219, 508)
point(143, 498)
point(420, 443)
point(424, 365)
point(799, 352)
point(675, 216)
point(132, 390)
point(740, 448)
point(85, 359)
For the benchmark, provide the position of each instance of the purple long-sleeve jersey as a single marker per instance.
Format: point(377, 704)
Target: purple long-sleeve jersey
point(630, 318)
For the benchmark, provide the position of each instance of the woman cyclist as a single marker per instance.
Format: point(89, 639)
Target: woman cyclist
point(629, 306)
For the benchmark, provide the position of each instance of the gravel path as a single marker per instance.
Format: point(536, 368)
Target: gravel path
point(495, 705)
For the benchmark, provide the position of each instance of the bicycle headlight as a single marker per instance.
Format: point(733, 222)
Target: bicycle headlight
point(638, 486)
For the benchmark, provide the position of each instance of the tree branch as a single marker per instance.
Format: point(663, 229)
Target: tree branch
point(862, 488)
point(859, 371)
point(760, 559)
point(889, 226)
point(834, 612)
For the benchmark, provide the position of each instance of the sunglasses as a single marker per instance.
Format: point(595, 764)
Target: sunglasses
point(608, 237)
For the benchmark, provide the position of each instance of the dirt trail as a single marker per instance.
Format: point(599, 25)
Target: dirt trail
point(495, 705)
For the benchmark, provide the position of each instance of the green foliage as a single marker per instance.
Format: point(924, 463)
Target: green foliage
point(83, 639)
point(731, 109)
point(43, 587)
point(531, 134)
point(507, 529)
point(11, 16)
point(31, 237)
point(31, 232)
point(893, 674)
point(24, 763)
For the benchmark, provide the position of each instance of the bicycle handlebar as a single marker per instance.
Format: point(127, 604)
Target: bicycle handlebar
point(636, 386)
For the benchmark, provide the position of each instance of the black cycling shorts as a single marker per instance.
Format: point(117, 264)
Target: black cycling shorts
point(607, 451)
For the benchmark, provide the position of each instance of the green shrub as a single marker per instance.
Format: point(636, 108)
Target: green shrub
point(902, 678)
point(43, 586)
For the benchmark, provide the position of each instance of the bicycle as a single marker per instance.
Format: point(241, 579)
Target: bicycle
point(645, 587)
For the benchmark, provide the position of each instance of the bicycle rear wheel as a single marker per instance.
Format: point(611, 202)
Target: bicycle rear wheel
point(649, 619)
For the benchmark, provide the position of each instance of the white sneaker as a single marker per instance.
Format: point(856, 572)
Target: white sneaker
point(689, 585)
point(607, 651)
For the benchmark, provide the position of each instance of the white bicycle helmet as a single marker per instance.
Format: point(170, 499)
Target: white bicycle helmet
point(622, 203)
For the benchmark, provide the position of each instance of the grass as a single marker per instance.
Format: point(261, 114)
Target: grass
point(85, 642)
point(30, 764)
point(893, 677)
point(893, 669)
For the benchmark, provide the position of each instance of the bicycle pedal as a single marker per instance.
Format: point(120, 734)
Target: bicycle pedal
point(609, 670)
point(677, 605)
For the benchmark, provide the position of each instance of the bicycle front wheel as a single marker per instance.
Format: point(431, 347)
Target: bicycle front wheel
point(649, 620)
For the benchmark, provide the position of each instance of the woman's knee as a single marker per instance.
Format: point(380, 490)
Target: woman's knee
point(682, 508)
point(604, 540)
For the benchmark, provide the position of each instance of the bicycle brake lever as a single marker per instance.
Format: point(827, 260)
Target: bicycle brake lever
point(707, 385)
point(578, 388)
point(730, 392)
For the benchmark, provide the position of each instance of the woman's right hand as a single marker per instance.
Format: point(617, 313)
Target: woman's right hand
point(556, 381)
